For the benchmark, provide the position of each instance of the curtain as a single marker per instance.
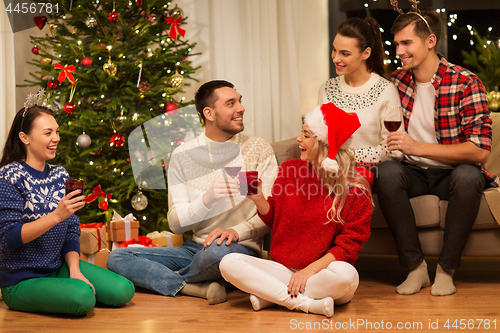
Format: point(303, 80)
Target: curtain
point(275, 52)
point(7, 76)
point(258, 45)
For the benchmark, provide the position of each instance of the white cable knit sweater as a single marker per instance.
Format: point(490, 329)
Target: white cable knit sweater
point(368, 102)
point(190, 175)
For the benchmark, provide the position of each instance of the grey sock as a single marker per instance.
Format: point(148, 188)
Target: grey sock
point(417, 279)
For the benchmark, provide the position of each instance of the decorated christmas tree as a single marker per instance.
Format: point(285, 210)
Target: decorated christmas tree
point(485, 62)
point(112, 66)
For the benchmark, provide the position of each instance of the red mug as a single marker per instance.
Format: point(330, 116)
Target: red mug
point(74, 184)
point(249, 182)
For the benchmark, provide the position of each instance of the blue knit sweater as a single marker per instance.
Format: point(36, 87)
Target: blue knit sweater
point(26, 195)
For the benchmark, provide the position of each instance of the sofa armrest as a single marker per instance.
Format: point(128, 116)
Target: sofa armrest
point(286, 150)
point(493, 164)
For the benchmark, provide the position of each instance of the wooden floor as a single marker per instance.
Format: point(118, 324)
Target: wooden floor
point(375, 307)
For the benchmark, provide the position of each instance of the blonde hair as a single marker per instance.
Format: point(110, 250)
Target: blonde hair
point(339, 183)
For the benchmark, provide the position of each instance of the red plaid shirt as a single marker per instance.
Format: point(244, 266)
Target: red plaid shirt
point(460, 109)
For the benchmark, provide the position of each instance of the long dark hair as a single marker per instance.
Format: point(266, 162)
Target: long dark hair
point(367, 33)
point(14, 149)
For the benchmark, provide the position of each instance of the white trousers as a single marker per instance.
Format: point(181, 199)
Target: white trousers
point(268, 279)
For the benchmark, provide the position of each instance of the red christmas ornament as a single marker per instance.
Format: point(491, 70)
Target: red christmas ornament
point(170, 107)
point(139, 3)
point(35, 50)
point(101, 44)
point(40, 21)
point(69, 108)
point(117, 140)
point(86, 61)
point(179, 140)
point(113, 16)
point(53, 84)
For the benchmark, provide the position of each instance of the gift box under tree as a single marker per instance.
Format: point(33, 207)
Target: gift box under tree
point(99, 258)
point(166, 238)
point(123, 228)
point(93, 244)
point(92, 238)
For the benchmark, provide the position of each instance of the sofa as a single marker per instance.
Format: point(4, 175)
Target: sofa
point(430, 211)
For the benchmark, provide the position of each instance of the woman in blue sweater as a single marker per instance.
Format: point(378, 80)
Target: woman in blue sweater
point(40, 270)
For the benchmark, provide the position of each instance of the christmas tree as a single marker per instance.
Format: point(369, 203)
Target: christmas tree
point(485, 60)
point(111, 67)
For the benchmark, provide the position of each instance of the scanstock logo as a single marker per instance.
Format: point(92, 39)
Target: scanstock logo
point(151, 144)
point(26, 14)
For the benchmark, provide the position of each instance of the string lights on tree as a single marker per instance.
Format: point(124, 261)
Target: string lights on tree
point(100, 43)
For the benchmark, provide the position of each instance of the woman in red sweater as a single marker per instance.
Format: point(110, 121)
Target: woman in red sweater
point(319, 213)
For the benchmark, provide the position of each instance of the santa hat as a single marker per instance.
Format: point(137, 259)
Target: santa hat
point(334, 127)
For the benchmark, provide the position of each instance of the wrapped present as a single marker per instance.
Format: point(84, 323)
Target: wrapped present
point(108, 240)
point(92, 238)
point(123, 228)
point(99, 258)
point(141, 241)
point(166, 238)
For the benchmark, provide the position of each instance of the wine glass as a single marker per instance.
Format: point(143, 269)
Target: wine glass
point(392, 122)
point(232, 171)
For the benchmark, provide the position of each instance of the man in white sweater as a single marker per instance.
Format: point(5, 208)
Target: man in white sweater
point(204, 199)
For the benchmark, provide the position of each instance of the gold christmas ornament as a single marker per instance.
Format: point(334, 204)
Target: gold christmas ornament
point(45, 61)
point(53, 28)
point(90, 21)
point(493, 100)
point(73, 30)
point(176, 12)
point(110, 68)
point(177, 80)
point(139, 201)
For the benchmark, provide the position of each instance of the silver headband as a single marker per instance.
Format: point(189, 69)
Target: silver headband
point(32, 100)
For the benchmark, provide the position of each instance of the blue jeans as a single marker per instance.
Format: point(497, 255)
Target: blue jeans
point(167, 269)
point(462, 186)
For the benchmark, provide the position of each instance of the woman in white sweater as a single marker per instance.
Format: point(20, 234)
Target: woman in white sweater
point(358, 55)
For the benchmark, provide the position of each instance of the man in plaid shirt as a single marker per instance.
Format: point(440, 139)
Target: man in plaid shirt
point(446, 144)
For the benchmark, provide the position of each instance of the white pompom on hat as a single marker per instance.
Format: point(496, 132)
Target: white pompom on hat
point(332, 126)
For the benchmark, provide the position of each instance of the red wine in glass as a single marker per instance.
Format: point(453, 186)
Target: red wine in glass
point(232, 171)
point(392, 126)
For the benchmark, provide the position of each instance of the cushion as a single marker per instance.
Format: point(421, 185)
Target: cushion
point(493, 164)
point(286, 150)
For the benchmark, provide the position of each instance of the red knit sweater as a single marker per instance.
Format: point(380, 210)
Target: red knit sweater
point(300, 227)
